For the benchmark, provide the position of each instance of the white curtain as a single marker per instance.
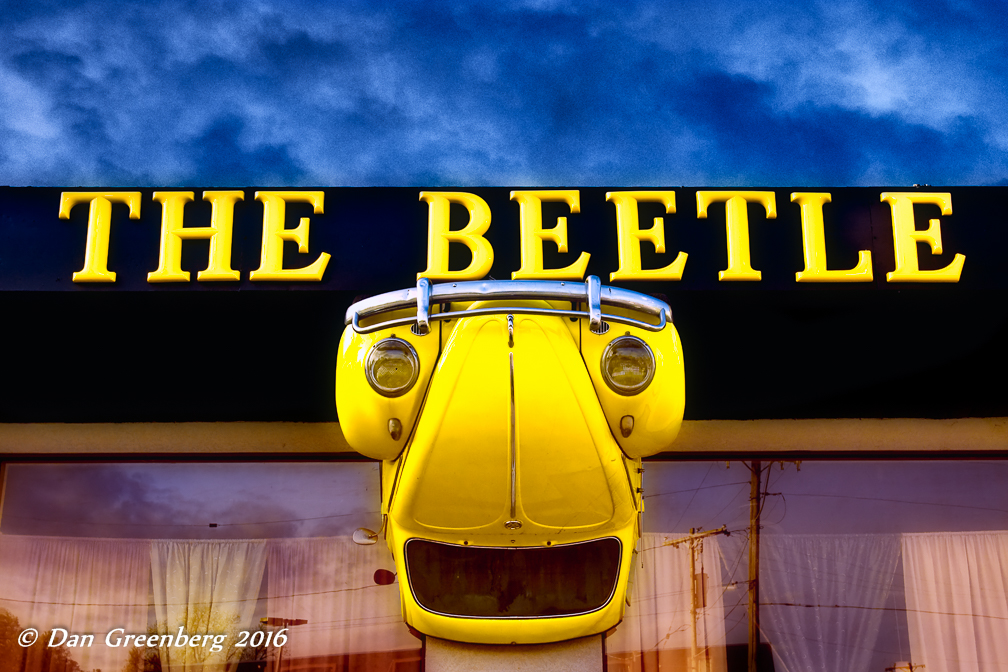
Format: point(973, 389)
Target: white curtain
point(657, 629)
point(84, 586)
point(204, 588)
point(822, 598)
point(957, 600)
point(330, 583)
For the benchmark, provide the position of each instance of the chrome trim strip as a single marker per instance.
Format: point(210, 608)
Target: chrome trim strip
point(514, 446)
point(612, 593)
point(509, 290)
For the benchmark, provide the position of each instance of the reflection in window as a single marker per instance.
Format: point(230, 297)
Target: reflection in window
point(192, 559)
point(863, 565)
point(191, 501)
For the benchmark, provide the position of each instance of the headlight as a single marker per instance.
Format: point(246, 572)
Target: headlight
point(628, 365)
point(392, 367)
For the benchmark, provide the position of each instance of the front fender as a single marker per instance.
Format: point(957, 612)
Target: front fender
point(364, 414)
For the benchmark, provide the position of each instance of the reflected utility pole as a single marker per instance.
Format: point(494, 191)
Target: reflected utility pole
point(282, 623)
point(754, 525)
point(695, 540)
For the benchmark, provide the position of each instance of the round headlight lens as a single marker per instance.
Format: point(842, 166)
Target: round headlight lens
point(628, 365)
point(392, 367)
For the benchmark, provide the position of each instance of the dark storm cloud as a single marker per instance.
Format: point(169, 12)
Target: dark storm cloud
point(827, 145)
point(503, 93)
point(223, 161)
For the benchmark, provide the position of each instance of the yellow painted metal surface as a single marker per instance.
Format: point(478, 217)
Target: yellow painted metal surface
point(657, 410)
point(457, 475)
point(364, 413)
point(517, 445)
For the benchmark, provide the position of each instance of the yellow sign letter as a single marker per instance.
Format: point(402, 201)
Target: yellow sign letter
point(814, 243)
point(630, 236)
point(737, 227)
point(99, 226)
point(439, 237)
point(906, 236)
point(173, 233)
point(274, 235)
point(533, 235)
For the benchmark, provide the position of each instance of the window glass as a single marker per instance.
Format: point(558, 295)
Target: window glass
point(191, 500)
point(862, 565)
point(228, 566)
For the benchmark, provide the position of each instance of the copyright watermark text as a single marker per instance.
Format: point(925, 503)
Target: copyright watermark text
point(118, 638)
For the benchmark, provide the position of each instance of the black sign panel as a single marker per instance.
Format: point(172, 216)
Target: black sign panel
point(377, 238)
point(132, 350)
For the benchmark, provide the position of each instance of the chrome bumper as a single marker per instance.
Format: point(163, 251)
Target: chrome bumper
point(591, 294)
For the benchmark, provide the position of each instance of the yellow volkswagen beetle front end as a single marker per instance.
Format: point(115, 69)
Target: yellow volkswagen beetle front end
point(511, 418)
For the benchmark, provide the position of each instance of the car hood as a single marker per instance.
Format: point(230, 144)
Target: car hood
point(511, 412)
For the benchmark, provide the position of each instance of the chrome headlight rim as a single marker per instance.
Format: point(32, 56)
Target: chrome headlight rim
point(628, 390)
point(376, 351)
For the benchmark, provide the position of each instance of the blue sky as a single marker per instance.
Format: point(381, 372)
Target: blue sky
point(534, 92)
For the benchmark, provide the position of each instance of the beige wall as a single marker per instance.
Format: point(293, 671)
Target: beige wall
point(576, 655)
point(700, 439)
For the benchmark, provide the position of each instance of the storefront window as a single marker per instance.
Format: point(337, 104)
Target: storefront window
point(227, 567)
point(863, 565)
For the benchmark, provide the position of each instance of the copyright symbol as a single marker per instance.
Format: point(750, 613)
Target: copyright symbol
point(28, 637)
